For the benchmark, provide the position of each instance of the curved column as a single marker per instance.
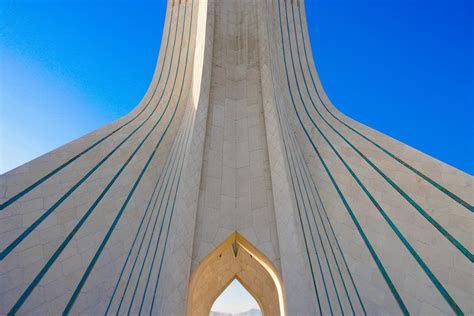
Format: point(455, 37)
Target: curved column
point(82, 225)
point(236, 139)
point(381, 204)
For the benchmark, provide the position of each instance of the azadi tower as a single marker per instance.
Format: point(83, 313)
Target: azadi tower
point(236, 165)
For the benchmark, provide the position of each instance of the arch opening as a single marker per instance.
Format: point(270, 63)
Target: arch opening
point(235, 258)
point(235, 300)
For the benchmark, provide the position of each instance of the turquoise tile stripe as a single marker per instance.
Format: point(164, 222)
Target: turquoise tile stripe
point(390, 154)
point(63, 245)
point(286, 141)
point(119, 214)
point(140, 225)
point(425, 268)
point(379, 264)
point(293, 150)
point(331, 277)
point(33, 186)
point(309, 179)
point(166, 238)
point(293, 176)
point(315, 287)
point(181, 156)
point(161, 178)
point(311, 207)
point(304, 236)
point(165, 188)
point(339, 248)
point(301, 165)
point(141, 243)
point(316, 226)
point(183, 142)
point(420, 210)
point(169, 222)
point(164, 250)
point(136, 236)
point(52, 208)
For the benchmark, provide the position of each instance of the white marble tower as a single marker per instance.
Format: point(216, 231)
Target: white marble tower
point(236, 165)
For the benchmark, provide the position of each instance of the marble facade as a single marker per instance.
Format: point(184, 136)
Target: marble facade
point(236, 140)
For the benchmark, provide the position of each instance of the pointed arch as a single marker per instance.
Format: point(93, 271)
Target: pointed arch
point(235, 258)
point(246, 287)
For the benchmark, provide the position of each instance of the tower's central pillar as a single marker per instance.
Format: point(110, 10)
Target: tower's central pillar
point(235, 189)
point(236, 137)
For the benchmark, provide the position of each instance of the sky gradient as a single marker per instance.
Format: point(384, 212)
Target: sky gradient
point(403, 67)
point(234, 299)
point(69, 67)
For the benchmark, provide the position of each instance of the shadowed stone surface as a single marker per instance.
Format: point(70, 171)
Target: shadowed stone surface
point(236, 134)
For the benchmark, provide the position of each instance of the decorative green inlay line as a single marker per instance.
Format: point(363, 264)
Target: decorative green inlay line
point(163, 173)
point(304, 238)
point(167, 169)
point(435, 281)
point(140, 225)
point(315, 224)
point(119, 214)
point(164, 247)
point(64, 165)
point(181, 156)
point(169, 224)
point(141, 243)
point(156, 219)
point(301, 224)
point(294, 175)
point(135, 239)
point(428, 217)
point(165, 188)
point(51, 209)
point(399, 160)
point(310, 180)
point(280, 116)
point(63, 245)
point(161, 228)
point(348, 208)
point(301, 166)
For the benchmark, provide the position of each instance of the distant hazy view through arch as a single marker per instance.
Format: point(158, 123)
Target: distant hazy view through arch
point(235, 259)
point(235, 300)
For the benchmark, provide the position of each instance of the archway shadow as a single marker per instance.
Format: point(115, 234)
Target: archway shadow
point(235, 258)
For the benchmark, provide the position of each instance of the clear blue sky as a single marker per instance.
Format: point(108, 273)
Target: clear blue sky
point(404, 67)
point(234, 299)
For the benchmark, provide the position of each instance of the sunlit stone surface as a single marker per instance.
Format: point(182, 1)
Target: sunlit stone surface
point(236, 146)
